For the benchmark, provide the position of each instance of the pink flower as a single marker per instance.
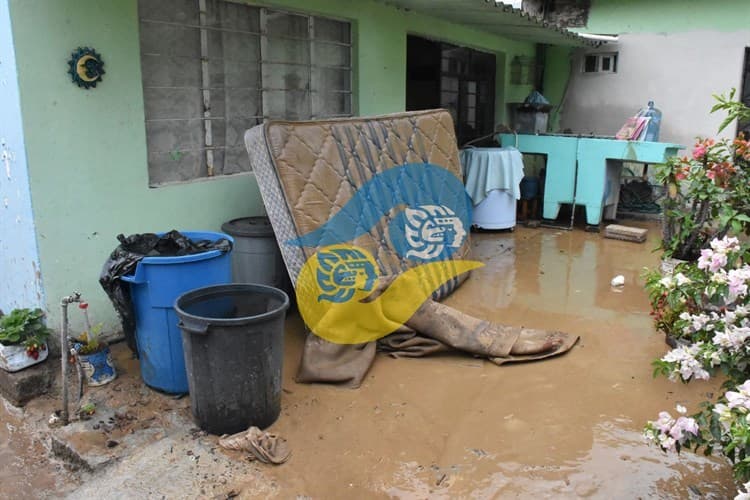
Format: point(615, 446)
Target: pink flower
point(699, 151)
point(705, 259)
point(683, 425)
point(718, 260)
point(664, 422)
point(737, 286)
point(737, 399)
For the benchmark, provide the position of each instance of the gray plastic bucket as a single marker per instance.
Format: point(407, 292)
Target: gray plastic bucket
point(256, 257)
point(232, 338)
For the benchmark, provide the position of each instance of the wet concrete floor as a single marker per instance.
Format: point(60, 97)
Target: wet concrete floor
point(25, 470)
point(457, 427)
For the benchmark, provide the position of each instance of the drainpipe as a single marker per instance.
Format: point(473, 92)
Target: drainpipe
point(541, 59)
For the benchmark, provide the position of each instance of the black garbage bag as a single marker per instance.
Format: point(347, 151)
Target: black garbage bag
point(124, 259)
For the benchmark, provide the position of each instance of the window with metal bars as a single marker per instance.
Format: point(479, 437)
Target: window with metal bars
point(212, 69)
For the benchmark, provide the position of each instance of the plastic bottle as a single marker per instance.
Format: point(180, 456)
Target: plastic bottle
point(652, 129)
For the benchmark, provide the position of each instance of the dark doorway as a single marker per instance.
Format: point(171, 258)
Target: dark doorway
point(744, 127)
point(459, 79)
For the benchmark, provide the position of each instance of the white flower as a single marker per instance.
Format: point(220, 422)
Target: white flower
point(666, 282)
point(744, 388)
point(732, 339)
point(737, 400)
point(744, 495)
point(725, 245)
point(681, 279)
point(719, 277)
point(715, 358)
point(667, 432)
point(730, 317)
point(667, 442)
point(687, 364)
point(684, 425)
point(665, 422)
point(699, 322)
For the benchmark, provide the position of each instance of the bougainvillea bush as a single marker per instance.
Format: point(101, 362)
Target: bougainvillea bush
point(708, 191)
point(703, 306)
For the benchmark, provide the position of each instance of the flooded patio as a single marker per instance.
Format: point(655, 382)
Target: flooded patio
point(453, 426)
point(457, 427)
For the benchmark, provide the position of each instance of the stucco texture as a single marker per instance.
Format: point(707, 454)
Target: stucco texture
point(87, 148)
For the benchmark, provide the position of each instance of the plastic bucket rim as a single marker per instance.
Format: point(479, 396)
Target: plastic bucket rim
point(265, 231)
point(206, 292)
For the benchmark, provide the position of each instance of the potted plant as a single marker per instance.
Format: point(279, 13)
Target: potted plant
point(708, 192)
point(93, 353)
point(23, 339)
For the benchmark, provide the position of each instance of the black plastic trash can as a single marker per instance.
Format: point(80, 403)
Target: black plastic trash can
point(233, 342)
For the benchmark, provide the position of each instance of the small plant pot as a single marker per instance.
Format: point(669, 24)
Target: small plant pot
point(14, 357)
point(675, 342)
point(98, 367)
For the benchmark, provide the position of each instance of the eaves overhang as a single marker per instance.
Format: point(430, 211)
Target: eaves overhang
point(498, 19)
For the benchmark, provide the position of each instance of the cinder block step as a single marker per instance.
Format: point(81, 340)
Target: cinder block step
point(21, 387)
point(619, 232)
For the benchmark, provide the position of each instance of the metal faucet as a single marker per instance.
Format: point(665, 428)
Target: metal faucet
point(64, 352)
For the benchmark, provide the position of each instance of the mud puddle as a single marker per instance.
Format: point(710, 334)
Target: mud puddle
point(453, 426)
point(457, 427)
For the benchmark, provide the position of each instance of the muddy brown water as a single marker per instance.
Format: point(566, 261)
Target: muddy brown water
point(457, 427)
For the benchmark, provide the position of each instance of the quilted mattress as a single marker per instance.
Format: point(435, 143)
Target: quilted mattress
point(309, 173)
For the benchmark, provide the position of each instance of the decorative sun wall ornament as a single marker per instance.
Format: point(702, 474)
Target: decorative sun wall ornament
point(86, 67)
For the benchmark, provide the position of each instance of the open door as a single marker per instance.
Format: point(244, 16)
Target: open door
point(744, 127)
point(459, 79)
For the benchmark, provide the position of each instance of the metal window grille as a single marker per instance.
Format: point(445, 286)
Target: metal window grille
point(211, 69)
point(599, 63)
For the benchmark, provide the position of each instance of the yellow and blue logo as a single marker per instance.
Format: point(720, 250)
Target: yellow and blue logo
point(338, 290)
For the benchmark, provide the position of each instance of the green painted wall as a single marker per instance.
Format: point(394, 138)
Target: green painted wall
point(667, 16)
point(87, 149)
point(556, 76)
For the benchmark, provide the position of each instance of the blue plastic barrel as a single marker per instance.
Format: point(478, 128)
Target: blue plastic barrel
point(154, 287)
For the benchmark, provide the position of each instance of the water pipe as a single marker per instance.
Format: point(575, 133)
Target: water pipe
point(75, 297)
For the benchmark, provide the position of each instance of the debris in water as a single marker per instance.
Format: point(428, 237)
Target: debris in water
point(263, 446)
point(618, 281)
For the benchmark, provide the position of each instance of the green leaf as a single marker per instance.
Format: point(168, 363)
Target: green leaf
point(725, 123)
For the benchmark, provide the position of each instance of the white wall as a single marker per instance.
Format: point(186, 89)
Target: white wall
point(678, 71)
point(20, 279)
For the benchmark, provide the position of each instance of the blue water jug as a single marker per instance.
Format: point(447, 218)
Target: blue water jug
point(652, 129)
